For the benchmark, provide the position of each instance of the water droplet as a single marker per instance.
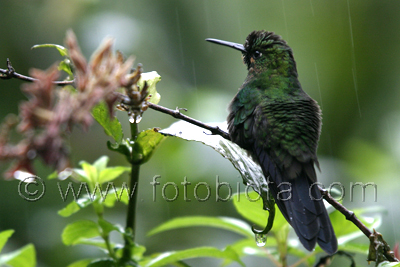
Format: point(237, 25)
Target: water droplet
point(261, 239)
point(134, 119)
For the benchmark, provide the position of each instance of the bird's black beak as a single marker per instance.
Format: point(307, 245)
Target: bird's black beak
point(225, 43)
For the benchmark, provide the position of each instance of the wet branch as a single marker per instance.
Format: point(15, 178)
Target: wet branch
point(378, 246)
point(10, 73)
point(350, 216)
point(215, 130)
point(178, 115)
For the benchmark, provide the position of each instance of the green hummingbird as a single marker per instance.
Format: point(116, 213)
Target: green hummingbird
point(279, 125)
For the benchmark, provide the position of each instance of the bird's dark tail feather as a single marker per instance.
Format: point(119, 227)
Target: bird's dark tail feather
point(301, 204)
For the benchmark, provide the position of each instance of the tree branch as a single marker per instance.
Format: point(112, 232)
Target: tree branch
point(350, 216)
point(372, 236)
point(215, 130)
point(9, 73)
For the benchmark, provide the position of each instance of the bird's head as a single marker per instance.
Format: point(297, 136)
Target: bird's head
point(263, 50)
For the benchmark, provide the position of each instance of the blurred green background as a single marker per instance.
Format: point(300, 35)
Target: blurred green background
point(347, 54)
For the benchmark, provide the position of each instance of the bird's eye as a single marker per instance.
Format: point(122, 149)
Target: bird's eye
point(257, 54)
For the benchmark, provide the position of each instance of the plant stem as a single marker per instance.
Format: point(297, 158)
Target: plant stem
point(98, 208)
point(109, 247)
point(131, 213)
point(134, 130)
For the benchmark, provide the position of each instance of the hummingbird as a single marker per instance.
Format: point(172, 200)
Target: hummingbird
point(279, 125)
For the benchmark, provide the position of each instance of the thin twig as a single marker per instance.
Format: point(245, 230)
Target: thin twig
point(350, 216)
point(347, 213)
point(215, 130)
point(10, 73)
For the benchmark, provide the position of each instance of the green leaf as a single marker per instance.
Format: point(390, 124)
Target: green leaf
point(23, 257)
point(4, 236)
point(65, 65)
point(78, 231)
point(123, 148)
point(97, 173)
point(112, 127)
point(60, 175)
point(61, 49)
point(90, 171)
point(103, 263)
point(70, 209)
point(248, 247)
point(226, 223)
point(81, 263)
point(75, 206)
point(174, 256)
point(53, 175)
point(249, 170)
point(146, 142)
point(117, 194)
point(249, 205)
point(151, 78)
point(112, 173)
point(356, 248)
point(107, 227)
point(80, 175)
point(138, 252)
point(101, 163)
point(389, 264)
point(99, 243)
point(180, 264)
